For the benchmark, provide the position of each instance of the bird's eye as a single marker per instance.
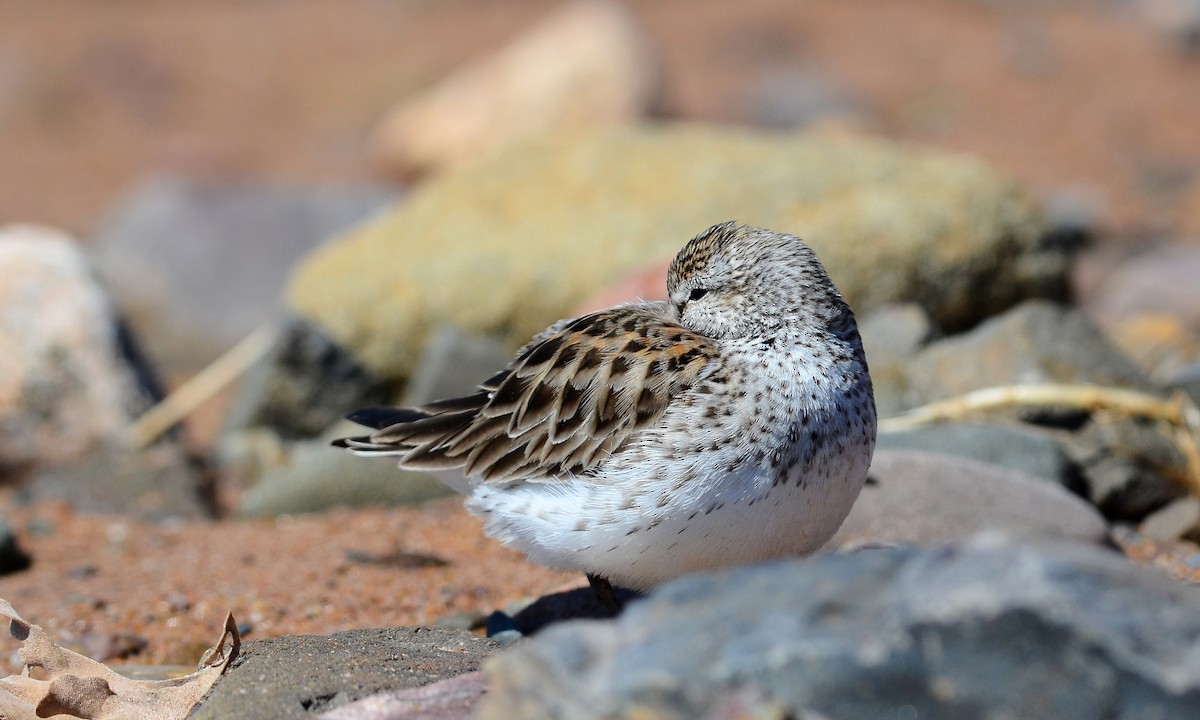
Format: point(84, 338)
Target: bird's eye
point(697, 293)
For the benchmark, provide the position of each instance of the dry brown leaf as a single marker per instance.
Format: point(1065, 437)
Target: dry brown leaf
point(79, 687)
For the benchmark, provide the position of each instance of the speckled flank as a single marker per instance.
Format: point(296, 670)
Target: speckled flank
point(733, 423)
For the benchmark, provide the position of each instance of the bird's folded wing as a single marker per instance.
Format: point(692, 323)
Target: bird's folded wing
point(571, 397)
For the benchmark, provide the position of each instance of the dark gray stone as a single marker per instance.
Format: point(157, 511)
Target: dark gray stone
point(198, 267)
point(12, 557)
point(1124, 491)
point(923, 498)
point(1024, 450)
point(892, 336)
point(300, 676)
point(157, 483)
point(454, 363)
point(895, 331)
point(1035, 342)
point(315, 476)
point(1128, 466)
point(305, 384)
point(990, 628)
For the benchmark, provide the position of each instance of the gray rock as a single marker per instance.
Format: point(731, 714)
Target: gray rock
point(451, 699)
point(892, 336)
point(305, 384)
point(157, 483)
point(990, 628)
point(1024, 450)
point(454, 363)
point(301, 676)
point(1128, 467)
point(798, 96)
point(12, 557)
point(315, 476)
point(1035, 342)
point(895, 331)
point(1187, 380)
point(1160, 280)
point(570, 215)
point(923, 498)
point(67, 384)
point(1126, 491)
point(1178, 519)
point(1124, 463)
point(198, 267)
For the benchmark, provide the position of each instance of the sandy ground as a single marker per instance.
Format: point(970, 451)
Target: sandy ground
point(97, 579)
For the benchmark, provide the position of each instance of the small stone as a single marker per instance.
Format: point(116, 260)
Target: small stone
point(799, 97)
point(892, 336)
point(1188, 381)
point(173, 240)
point(925, 499)
point(304, 384)
point(1036, 342)
point(588, 65)
point(316, 476)
point(82, 572)
point(1161, 344)
point(895, 331)
point(1027, 451)
point(1178, 519)
point(102, 647)
point(453, 365)
point(158, 483)
point(1127, 466)
point(1160, 281)
point(308, 476)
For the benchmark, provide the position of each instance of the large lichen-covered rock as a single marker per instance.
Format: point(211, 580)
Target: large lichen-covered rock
point(511, 242)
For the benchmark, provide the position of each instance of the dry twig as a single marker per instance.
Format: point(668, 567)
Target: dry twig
point(201, 387)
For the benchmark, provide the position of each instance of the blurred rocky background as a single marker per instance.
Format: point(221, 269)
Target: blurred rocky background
point(224, 225)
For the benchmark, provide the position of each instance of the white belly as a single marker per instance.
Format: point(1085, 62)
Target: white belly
point(641, 531)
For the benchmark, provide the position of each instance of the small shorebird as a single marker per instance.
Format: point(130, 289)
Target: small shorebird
point(733, 423)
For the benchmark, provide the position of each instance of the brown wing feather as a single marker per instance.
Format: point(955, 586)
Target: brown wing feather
point(570, 397)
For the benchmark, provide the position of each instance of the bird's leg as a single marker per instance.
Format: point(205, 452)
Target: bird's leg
point(606, 594)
